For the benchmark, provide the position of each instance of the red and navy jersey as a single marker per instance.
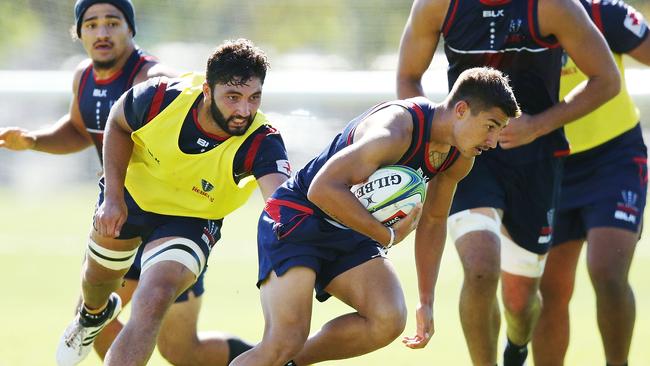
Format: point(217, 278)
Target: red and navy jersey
point(505, 35)
point(96, 97)
point(416, 156)
point(262, 153)
point(622, 26)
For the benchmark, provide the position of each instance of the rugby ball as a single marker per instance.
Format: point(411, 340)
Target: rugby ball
point(391, 192)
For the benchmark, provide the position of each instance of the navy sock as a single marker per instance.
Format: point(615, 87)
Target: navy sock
point(236, 347)
point(515, 355)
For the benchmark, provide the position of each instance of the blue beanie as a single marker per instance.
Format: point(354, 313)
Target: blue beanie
point(125, 6)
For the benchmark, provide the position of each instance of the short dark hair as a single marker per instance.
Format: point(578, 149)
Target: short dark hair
point(236, 62)
point(484, 88)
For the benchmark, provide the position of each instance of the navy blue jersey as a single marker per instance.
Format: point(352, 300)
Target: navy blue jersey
point(262, 153)
point(416, 157)
point(505, 35)
point(96, 97)
point(622, 26)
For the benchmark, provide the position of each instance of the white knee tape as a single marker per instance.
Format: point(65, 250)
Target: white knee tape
point(467, 221)
point(111, 259)
point(181, 250)
point(519, 261)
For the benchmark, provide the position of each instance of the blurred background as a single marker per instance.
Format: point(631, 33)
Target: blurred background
point(330, 60)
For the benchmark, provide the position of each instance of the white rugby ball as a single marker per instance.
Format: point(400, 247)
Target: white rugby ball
point(391, 192)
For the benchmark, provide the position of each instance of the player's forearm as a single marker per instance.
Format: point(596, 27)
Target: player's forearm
point(582, 100)
point(408, 87)
point(429, 246)
point(118, 147)
point(62, 138)
point(341, 205)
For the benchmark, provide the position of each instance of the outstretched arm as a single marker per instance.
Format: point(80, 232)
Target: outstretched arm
point(67, 135)
point(430, 239)
point(418, 44)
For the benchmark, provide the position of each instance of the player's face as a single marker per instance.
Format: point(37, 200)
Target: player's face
point(233, 107)
point(105, 35)
point(480, 132)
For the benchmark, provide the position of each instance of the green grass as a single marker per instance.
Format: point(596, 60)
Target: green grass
point(42, 239)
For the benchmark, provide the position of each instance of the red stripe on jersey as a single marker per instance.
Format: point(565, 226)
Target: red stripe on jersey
point(561, 153)
point(109, 80)
point(450, 20)
point(420, 115)
point(136, 69)
point(531, 26)
point(252, 151)
point(494, 3)
point(598, 18)
point(82, 85)
point(195, 118)
point(272, 207)
point(157, 101)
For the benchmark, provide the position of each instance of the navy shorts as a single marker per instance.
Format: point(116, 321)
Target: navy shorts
point(290, 235)
point(527, 194)
point(604, 187)
point(151, 226)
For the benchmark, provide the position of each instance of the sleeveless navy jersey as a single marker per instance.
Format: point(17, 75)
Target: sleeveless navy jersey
point(96, 97)
point(505, 35)
point(622, 26)
point(262, 153)
point(416, 157)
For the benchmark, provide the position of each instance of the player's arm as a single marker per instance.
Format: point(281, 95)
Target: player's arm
point(569, 23)
point(118, 146)
point(269, 183)
point(430, 237)
point(418, 44)
point(380, 145)
point(642, 52)
point(66, 136)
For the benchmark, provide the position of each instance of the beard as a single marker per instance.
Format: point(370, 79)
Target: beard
point(222, 122)
point(104, 65)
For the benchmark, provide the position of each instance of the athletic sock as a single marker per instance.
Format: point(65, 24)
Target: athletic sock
point(515, 355)
point(236, 347)
point(92, 320)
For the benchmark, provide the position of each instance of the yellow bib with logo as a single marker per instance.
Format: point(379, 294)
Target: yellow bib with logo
point(610, 120)
point(165, 180)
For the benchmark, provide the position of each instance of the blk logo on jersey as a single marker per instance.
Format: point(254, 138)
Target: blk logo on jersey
point(493, 13)
point(99, 93)
point(627, 210)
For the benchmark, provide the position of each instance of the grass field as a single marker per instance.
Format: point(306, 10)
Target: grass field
point(42, 239)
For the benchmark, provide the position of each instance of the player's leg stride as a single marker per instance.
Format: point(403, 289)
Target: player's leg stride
point(77, 340)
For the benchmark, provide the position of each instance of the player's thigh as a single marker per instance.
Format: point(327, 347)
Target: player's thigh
point(287, 302)
point(560, 270)
point(610, 251)
point(371, 288)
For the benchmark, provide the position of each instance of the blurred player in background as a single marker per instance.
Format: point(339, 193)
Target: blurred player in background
point(524, 39)
point(314, 233)
point(106, 29)
point(602, 201)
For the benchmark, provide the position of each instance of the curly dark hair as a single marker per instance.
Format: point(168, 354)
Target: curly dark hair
point(235, 62)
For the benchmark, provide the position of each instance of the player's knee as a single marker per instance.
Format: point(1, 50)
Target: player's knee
point(387, 323)
point(285, 345)
point(609, 282)
point(177, 353)
point(115, 260)
point(179, 250)
point(520, 306)
point(467, 221)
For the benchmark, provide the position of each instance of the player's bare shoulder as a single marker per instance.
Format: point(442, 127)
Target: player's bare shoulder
point(79, 73)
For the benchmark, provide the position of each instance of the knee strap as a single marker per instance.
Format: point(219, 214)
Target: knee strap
point(467, 221)
point(116, 260)
point(181, 250)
